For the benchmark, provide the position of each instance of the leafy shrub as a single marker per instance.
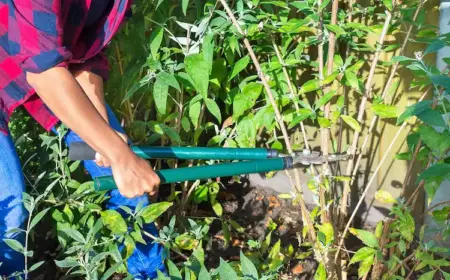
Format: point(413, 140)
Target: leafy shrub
point(249, 74)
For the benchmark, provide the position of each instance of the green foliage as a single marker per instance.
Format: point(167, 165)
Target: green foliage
point(181, 75)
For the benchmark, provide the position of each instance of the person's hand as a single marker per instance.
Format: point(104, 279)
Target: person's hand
point(103, 161)
point(134, 176)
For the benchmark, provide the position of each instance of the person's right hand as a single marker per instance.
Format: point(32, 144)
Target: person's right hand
point(134, 176)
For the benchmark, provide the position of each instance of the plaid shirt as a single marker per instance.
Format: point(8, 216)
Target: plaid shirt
point(36, 35)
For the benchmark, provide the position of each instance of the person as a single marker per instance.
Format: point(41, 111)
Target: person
point(52, 63)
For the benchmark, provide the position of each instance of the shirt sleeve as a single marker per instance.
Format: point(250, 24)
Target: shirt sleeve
point(97, 64)
point(38, 34)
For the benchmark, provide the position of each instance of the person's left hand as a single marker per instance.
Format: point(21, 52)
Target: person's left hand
point(103, 161)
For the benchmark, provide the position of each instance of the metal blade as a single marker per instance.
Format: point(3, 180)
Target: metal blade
point(307, 157)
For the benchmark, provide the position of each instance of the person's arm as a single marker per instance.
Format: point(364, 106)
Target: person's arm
point(60, 91)
point(92, 85)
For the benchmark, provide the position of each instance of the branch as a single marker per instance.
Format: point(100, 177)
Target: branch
point(347, 227)
point(362, 108)
point(291, 89)
point(384, 95)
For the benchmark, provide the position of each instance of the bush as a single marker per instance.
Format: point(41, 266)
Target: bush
point(273, 74)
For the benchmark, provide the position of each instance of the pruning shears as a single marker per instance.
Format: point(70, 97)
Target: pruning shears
point(245, 161)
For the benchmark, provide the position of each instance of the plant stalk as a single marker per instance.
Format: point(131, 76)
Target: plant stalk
point(306, 214)
point(362, 107)
point(384, 94)
point(363, 195)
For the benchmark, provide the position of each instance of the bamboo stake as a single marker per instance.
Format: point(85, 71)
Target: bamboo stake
point(305, 212)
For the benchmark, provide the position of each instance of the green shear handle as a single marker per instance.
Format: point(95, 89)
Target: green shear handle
point(256, 160)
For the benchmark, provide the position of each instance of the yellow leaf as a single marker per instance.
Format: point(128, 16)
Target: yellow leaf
point(384, 197)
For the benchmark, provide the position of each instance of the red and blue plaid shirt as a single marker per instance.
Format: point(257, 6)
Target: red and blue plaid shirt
point(36, 35)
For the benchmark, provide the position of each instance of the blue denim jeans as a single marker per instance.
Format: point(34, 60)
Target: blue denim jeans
point(143, 263)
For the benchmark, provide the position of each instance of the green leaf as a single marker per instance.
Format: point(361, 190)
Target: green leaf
point(174, 272)
point(204, 274)
point(219, 71)
point(226, 271)
point(414, 110)
point(432, 117)
point(437, 141)
point(324, 99)
point(155, 40)
point(75, 235)
point(324, 5)
point(185, 124)
point(246, 132)
point(111, 271)
point(37, 218)
point(301, 5)
point(200, 194)
point(385, 111)
point(198, 70)
point(323, 122)
point(446, 275)
point(330, 78)
point(328, 231)
point(130, 245)
point(169, 80)
point(185, 5)
point(388, 4)
point(352, 79)
point(186, 241)
point(246, 99)
point(384, 197)
point(436, 171)
point(248, 268)
point(68, 262)
point(160, 94)
point(161, 276)
point(303, 114)
point(226, 234)
point(275, 249)
point(362, 254)
point(236, 226)
point(36, 266)
point(151, 212)
point(194, 112)
point(351, 122)
point(114, 222)
point(441, 80)
point(379, 229)
point(309, 86)
point(401, 59)
point(321, 273)
point(428, 276)
point(365, 266)
point(239, 66)
point(217, 208)
point(15, 245)
point(208, 50)
point(435, 46)
point(172, 133)
point(366, 237)
point(99, 257)
point(213, 108)
point(335, 29)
